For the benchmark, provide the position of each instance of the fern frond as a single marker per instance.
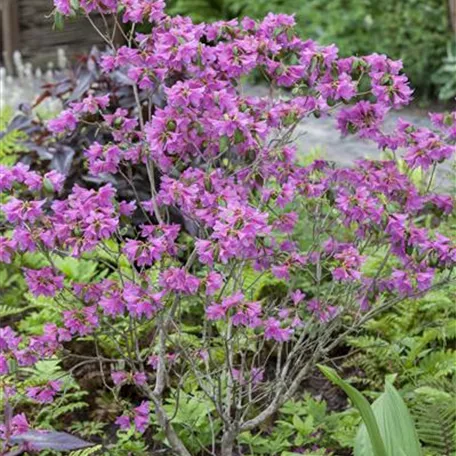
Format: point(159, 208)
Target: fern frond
point(87, 451)
point(68, 408)
point(10, 141)
point(435, 423)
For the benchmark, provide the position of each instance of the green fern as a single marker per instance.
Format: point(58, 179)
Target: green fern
point(86, 451)
point(10, 141)
point(435, 422)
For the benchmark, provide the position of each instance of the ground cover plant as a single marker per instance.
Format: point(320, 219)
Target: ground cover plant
point(193, 265)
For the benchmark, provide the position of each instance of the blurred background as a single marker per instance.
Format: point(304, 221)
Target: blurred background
point(420, 32)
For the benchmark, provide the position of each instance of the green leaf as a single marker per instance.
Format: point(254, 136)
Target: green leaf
point(433, 393)
point(361, 403)
point(58, 21)
point(304, 427)
point(224, 143)
point(396, 427)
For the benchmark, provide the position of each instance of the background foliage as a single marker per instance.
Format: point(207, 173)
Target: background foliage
point(416, 31)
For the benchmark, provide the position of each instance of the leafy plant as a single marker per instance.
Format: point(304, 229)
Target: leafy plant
point(11, 137)
point(387, 428)
point(87, 451)
point(445, 77)
point(376, 439)
point(434, 411)
point(303, 425)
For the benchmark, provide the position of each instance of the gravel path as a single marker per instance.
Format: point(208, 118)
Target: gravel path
point(322, 135)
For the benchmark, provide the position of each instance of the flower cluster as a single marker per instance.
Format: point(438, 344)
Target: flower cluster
point(227, 200)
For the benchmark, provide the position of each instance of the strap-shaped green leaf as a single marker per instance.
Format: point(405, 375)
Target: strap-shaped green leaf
point(395, 424)
point(361, 403)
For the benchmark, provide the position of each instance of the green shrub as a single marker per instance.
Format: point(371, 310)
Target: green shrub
point(416, 31)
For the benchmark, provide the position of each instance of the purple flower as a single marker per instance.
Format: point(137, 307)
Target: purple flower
point(45, 394)
point(43, 282)
point(17, 211)
point(123, 422)
point(4, 369)
point(63, 6)
point(119, 377)
point(274, 331)
point(141, 416)
point(81, 322)
point(65, 123)
point(214, 281)
point(215, 312)
point(178, 280)
point(7, 248)
point(55, 179)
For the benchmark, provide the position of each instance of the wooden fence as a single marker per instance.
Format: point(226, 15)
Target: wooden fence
point(27, 26)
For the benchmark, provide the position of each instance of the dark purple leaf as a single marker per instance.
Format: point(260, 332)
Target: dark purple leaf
point(121, 78)
point(43, 152)
point(19, 122)
point(63, 87)
point(26, 108)
point(84, 83)
point(62, 159)
point(59, 441)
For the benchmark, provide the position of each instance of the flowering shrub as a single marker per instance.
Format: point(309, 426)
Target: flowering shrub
point(264, 255)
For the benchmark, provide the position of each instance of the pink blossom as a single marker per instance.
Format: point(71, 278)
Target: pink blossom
point(55, 179)
point(46, 394)
point(43, 282)
point(82, 321)
point(65, 123)
point(178, 280)
point(274, 331)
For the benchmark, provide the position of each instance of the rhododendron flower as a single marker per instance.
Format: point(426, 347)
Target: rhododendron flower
point(177, 279)
point(254, 377)
point(363, 118)
point(81, 322)
point(65, 123)
point(274, 331)
point(56, 180)
point(214, 282)
point(140, 418)
point(63, 6)
point(43, 282)
point(141, 302)
point(324, 312)
point(4, 369)
point(7, 248)
point(112, 301)
point(45, 394)
point(18, 425)
point(297, 297)
point(123, 422)
point(91, 104)
point(17, 211)
point(119, 377)
point(9, 340)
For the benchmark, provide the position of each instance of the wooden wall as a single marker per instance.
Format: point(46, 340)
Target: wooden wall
point(38, 41)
